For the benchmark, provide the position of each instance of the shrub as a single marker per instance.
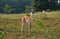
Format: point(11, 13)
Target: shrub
point(41, 24)
point(3, 34)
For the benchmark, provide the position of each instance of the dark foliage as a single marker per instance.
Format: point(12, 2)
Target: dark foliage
point(40, 5)
point(37, 5)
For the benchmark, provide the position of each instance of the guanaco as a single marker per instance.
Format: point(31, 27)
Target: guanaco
point(27, 19)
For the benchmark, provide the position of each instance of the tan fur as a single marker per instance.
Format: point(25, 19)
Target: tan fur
point(27, 19)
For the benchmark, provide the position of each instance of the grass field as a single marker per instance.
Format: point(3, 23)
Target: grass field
point(45, 26)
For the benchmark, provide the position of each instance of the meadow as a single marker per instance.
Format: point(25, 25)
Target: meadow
point(44, 26)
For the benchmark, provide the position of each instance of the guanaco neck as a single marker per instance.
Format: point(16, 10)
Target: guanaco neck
point(31, 14)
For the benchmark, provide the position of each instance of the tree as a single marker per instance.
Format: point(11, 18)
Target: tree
point(40, 4)
point(8, 9)
point(45, 5)
point(28, 8)
point(35, 4)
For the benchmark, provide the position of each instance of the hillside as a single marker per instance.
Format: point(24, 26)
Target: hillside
point(45, 26)
point(19, 5)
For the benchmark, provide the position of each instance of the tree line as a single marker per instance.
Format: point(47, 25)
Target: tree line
point(18, 6)
point(40, 5)
point(13, 6)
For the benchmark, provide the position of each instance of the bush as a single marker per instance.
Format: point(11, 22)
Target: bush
point(41, 24)
point(3, 34)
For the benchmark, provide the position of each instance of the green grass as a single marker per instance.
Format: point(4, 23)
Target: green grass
point(45, 26)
